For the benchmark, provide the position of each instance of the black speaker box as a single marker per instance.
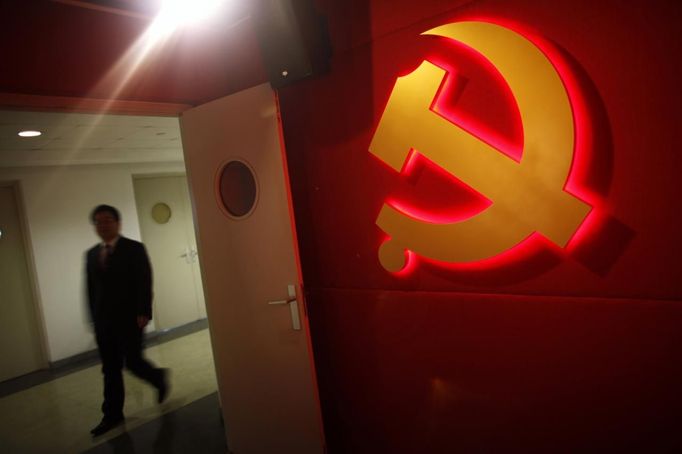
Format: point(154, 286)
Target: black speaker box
point(294, 40)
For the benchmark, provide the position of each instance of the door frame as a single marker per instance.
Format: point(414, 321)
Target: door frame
point(31, 271)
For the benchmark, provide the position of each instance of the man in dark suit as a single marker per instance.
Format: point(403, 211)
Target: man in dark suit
point(119, 282)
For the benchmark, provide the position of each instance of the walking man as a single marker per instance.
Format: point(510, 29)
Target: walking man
point(119, 283)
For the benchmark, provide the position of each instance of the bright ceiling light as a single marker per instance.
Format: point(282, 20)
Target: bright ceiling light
point(177, 13)
point(29, 133)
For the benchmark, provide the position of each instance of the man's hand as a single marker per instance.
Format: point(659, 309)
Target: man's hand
point(142, 321)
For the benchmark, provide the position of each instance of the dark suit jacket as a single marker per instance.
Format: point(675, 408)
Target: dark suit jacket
point(122, 291)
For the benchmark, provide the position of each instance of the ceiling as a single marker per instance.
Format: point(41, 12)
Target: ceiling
point(74, 70)
point(57, 53)
point(75, 138)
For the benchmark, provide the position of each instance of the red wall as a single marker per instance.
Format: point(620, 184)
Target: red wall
point(553, 350)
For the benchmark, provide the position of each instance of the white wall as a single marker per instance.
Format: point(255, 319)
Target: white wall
point(57, 202)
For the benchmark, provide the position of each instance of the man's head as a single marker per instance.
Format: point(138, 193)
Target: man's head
point(107, 222)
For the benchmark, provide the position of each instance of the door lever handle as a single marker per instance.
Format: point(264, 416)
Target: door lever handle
point(290, 300)
point(293, 307)
point(186, 256)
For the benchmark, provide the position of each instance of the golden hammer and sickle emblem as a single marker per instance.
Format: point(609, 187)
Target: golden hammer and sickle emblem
point(527, 196)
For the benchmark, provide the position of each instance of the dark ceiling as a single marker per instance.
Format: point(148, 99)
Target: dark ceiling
point(56, 53)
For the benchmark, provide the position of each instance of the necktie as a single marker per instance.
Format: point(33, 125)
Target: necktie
point(104, 256)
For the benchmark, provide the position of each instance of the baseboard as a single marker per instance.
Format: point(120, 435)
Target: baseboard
point(90, 358)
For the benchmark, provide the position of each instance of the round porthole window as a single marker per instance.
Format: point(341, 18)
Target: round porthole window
point(161, 213)
point(237, 189)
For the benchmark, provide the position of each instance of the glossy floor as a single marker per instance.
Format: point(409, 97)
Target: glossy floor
point(56, 416)
point(195, 428)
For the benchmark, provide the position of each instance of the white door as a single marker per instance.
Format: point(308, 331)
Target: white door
point(20, 342)
point(193, 249)
point(249, 260)
point(165, 217)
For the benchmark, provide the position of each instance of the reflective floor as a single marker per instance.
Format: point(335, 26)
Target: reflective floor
point(56, 416)
point(195, 428)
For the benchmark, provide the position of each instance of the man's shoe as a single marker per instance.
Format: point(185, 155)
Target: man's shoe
point(163, 387)
point(106, 425)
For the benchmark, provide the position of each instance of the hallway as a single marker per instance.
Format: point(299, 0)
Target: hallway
point(56, 416)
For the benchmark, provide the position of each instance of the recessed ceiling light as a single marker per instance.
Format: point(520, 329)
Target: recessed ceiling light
point(29, 133)
point(177, 13)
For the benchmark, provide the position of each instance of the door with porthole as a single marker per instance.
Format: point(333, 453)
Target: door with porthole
point(257, 318)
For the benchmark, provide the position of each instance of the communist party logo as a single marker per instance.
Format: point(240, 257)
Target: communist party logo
point(527, 196)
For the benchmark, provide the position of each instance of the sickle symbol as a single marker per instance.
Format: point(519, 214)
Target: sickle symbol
point(527, 196)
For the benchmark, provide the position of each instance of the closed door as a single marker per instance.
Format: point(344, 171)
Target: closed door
point(166, 224)
point(192, 247)
point(259, 330)
point(20, 342)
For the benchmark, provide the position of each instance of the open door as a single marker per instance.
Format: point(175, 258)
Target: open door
point(257, 319)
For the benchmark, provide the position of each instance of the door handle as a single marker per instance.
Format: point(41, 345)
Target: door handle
point(293, 307)
point(273, 303)
point(190, 255)
point(186, 255)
